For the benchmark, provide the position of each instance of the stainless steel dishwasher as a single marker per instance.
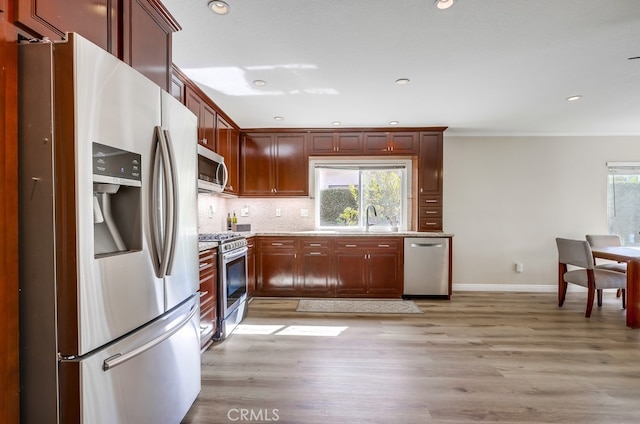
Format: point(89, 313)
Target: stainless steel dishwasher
point(426, 267)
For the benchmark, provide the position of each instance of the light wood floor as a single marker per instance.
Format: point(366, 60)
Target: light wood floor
point(481, 357)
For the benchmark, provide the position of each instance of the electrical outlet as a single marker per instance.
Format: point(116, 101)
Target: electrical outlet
point(278, 212)
point(304, 212)
point(244, 211)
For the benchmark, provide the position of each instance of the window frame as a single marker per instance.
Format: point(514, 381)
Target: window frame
point(406, 186)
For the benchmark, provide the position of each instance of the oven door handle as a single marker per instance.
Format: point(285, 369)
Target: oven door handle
point(229, 256)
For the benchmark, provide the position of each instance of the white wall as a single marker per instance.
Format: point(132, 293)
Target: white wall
point(507, 198)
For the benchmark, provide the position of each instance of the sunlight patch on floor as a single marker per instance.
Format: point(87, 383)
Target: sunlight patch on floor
point(291, 330)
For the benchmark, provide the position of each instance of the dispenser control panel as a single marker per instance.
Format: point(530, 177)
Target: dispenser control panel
point(116, 166)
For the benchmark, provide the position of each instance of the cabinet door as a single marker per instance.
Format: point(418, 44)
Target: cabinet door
point(251, 266)
point(96, 21)
point(405, 143)
point(350, 272)
point(348, 143)
point(291, 165)
point(321, 143)
point(430, 164)
point(208, 118)
point(276, 266)
point(376, 143)
point(208, 294)
point(314, 267)
point(256, 165)
point(384, 279)
point(228, 147)
point(178, 89)
point(146, 39)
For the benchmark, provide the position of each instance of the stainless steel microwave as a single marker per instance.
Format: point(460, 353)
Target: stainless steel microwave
point(212, 172)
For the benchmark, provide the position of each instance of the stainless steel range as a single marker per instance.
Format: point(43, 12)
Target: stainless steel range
point(232, 280)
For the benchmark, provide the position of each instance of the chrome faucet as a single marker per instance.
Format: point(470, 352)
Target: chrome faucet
point(368, 224)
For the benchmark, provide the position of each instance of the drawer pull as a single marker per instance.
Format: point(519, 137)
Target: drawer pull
point(431, 201)
point(315, 253)
point(315, 244)
point(276, 244)
point(350, 245)
point(383, 245)
point(203, 294)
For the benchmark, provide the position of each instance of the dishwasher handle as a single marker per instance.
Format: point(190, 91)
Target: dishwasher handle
point(427, 244)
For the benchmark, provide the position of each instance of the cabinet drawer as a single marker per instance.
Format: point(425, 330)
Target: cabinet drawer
point(366, 243)
point(430, 201)
point(207, 299)
point(430, 224)
point(276, 243)
point(430, 213)
point(314, 243)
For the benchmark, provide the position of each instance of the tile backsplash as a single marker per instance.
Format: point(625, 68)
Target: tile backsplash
point(262, 213)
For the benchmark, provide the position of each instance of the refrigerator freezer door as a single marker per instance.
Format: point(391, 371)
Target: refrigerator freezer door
point(151, 376)
point(180, 127)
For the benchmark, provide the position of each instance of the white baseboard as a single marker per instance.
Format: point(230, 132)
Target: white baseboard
point(539, 288)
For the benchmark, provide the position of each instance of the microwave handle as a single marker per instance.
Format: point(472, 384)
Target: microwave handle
point(222, 166)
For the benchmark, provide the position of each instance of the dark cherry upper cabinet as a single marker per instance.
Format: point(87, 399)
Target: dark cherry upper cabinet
point(228, 143)
point(178, 87)
point(390, 143)
point(274, 164)
point(97, 21)
point(430, 182)
point(206, 117)
point(335, 143)
point(146, 39)
point(136, 31)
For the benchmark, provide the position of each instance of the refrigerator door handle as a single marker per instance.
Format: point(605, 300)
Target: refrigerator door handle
point(162, 231)
point(120, 358)
point(174, 202)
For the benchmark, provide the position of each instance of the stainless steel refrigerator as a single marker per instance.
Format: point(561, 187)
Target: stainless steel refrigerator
point(109, 316)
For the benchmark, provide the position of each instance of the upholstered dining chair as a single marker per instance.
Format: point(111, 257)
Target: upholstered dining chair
point(607, 240)
point(577, 253)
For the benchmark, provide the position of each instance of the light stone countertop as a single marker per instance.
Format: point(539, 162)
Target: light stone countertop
point(347, 233)
point(324, 233)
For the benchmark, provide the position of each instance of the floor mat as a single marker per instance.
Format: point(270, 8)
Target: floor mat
point(360, 306)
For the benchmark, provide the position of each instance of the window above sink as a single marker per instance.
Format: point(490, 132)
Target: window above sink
point(360, 194)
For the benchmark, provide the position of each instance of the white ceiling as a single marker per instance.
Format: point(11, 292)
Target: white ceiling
point(482, 67)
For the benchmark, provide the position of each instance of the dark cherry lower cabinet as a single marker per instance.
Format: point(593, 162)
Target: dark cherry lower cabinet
point(276, 266)
point(208, 295)
point(329, 267)
point(251, 266)
point(369, 267)
point(314, 263)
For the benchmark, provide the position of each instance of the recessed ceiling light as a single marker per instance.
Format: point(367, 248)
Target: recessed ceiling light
point(574, 98)
point(260, 83)
point(402, 81)
point(444, 4)
point(336, 123)
point(278, 118)
point(219, 7)
point(394, 123)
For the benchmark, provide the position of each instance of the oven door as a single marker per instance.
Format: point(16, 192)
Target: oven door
point(233, 281)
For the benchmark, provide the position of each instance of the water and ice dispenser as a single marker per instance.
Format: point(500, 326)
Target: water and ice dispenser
point(117, 215)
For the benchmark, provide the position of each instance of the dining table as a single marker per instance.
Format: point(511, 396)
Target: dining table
point(631, 256)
